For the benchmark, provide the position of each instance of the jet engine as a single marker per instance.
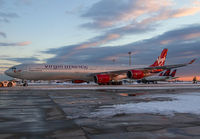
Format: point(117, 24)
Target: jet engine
point(102, 79)
point(135, 74)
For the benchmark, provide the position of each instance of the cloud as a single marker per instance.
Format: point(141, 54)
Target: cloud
point(177, 42)
point(5, 17)
point(151, 22)
point(8, 15)
point(3, 34)
point(171, 13)
point(127, 12)
point(1, 2)
point(23, 60)
point(15, 44)
point(75, 10)
point(99, 41)
point(117, 12)
point(133, 16)
point(24, 43)
point(23, 2)
point(120, 18)
point(74, 49)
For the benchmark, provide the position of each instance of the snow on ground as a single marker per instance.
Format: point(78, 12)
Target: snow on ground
point(181, 103)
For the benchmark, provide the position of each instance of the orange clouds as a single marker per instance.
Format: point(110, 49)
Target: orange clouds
point(192, 35)
point(16, 44)
point(165, 42)
point(139, 9)
point(107, 38)
point(148, 11)
point(113, 36)
point(135, 10)
point(170, 13)
point(24, 43)
point(187, 12)
point(159, 10)
point(183, 37)
point(102, 41)
point(135, 16)
point(132, 17)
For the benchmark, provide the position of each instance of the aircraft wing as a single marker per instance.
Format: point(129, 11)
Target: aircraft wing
point(146, 69)
point(170, 66)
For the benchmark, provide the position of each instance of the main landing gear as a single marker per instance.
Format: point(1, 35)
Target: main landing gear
point(24, 83)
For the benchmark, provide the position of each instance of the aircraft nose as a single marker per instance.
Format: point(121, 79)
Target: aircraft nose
point(7, 72)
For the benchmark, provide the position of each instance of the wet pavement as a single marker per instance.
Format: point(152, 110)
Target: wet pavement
point(62, 114)
point(29, 114)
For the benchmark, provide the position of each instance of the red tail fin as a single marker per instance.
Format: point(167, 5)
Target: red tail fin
point(161, 74)
point(161, 59)
point(173, 73)
point(167, 72)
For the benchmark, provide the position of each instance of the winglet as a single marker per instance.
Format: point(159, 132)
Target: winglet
point(192, 61)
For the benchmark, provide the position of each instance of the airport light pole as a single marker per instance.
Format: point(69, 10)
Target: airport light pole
point(113, 61)
point(129, 58)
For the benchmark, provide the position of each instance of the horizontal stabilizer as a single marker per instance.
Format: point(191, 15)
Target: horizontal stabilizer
point(192, 61)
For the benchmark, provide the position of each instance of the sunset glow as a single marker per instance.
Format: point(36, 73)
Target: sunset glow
point(188, 78)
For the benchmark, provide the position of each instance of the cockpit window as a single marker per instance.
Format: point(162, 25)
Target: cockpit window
point(13, 68)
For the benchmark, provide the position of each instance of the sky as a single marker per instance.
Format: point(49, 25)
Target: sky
point(98, 32)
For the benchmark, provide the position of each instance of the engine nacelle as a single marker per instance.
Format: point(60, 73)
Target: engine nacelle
point(102, 79)
point(135, 74)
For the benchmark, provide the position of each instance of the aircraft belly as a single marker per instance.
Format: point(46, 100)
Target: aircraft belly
point(55, 75)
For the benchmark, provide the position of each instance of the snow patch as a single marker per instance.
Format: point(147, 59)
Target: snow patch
point(182, 103)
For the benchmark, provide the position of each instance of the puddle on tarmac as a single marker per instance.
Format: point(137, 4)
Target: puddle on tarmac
point(131, 94)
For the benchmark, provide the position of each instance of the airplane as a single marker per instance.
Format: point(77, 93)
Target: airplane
point(102, 75)
point(161, 77)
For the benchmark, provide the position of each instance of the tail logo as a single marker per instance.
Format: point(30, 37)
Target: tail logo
point(161, 61)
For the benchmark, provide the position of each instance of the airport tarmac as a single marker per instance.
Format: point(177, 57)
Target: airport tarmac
point(153, 111)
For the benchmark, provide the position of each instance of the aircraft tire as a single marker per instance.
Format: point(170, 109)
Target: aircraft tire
point(10, 84)
point(1, 84)
point(25, 84)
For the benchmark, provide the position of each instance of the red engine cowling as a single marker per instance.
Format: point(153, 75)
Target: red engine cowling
point(102, 79)
point(135, 74)
point(78, 81)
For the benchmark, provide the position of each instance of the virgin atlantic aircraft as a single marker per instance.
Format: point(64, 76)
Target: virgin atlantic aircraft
point(99, 74)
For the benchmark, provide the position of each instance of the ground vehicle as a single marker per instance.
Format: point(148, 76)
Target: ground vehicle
point(7, 83)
